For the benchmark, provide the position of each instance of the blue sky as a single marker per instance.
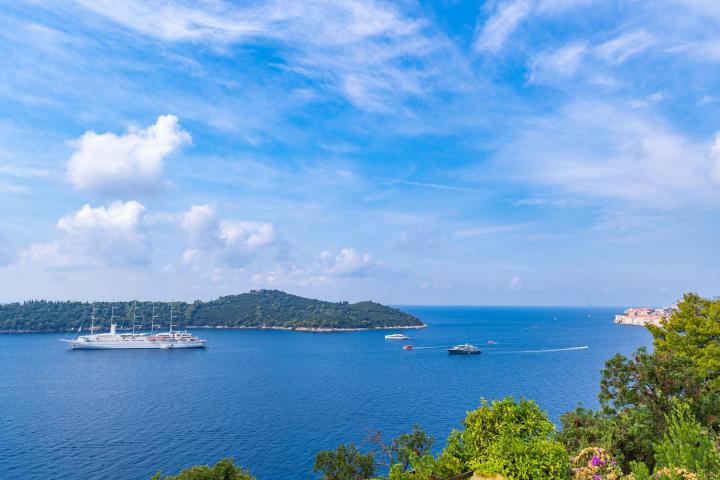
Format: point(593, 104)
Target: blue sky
point(538, 152)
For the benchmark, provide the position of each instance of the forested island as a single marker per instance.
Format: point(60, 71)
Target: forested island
point(255, 309)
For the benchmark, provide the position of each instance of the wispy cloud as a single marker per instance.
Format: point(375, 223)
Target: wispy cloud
point(603, 151)
point(627, 45)
point(484, 230)
point(491, 36)
point(370, 52)
point(22, 171)
point(553, 64)
point(435, 186)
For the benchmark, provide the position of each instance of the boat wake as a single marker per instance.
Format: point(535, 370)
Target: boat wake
point(431, 348)
point(583, 347)
point(493, 351)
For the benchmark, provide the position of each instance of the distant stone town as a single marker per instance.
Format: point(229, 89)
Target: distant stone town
point(644, 316)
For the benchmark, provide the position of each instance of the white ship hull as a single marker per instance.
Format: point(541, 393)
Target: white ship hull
point(133, 345)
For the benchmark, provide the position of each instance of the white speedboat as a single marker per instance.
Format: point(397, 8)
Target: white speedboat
point(466, 349)
point(396, 336)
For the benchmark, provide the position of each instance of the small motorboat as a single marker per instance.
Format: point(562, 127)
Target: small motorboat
point(396, 336)
point(408, 347)
point(491, 342)
point(466, 349)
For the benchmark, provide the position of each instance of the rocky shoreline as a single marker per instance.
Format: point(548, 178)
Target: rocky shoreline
point(309, 329)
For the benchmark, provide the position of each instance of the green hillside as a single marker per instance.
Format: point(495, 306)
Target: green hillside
point(255, 309)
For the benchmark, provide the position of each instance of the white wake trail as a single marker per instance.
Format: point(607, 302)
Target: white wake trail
point(583, 347)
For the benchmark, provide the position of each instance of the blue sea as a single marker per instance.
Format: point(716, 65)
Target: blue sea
point(272, 399)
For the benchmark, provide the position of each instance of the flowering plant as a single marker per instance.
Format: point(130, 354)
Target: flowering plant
point(595, 464)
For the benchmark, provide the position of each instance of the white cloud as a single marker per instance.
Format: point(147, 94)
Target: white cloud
point(289, 274)
point(486, 230)
point(348, 263)
point(553, 6)
point(500, 25)
point(246, 235)
point(510, 14)
point(14, 189)
point(6, 256)
point(200, 224)
point(603, 151)
point(328, 266)
point(229, 242)
point(516, 283)
point(715, 156)
point(550, 65)
point(134, 161)
point(368, 51)
point(94, 237)
point(620, 49)
point(649, 100)
point(22, 172)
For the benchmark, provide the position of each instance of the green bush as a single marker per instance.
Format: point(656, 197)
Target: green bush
point(514, 440)
point(344, 463)
point(225, 469)
point(686, 444)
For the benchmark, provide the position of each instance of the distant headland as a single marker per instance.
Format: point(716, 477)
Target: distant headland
point(645, 316)
point(257, 309)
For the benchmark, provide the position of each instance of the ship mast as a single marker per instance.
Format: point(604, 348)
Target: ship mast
point(152, 321)
point(112, 318)
point(134, 317)
point(92, 321)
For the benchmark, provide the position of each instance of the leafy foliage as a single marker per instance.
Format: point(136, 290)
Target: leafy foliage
point(514, 440)
point(693, 332)
point(345, 463)
point(584, 428)
point(255, 309)
point(405, 449)
point(636, 394)
point(641, 394)
point(686, 444)
point(225, 469)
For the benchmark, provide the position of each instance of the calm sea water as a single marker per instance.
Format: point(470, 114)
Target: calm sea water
point(272, 399)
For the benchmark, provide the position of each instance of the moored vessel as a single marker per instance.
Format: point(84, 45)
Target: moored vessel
point(135, 339)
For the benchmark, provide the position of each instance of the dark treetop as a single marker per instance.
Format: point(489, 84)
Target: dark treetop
point(255, 309)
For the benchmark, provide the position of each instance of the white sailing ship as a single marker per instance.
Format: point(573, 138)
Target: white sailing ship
point(171, 339)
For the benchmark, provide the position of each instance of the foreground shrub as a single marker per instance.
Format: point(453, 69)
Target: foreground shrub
point(693, 332)
point(512, 439)
point(344, 463)
point(225, 469)
point(686, 444)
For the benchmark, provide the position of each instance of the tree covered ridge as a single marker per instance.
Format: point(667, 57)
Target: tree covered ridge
point(255, 309)
point(659, 419)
